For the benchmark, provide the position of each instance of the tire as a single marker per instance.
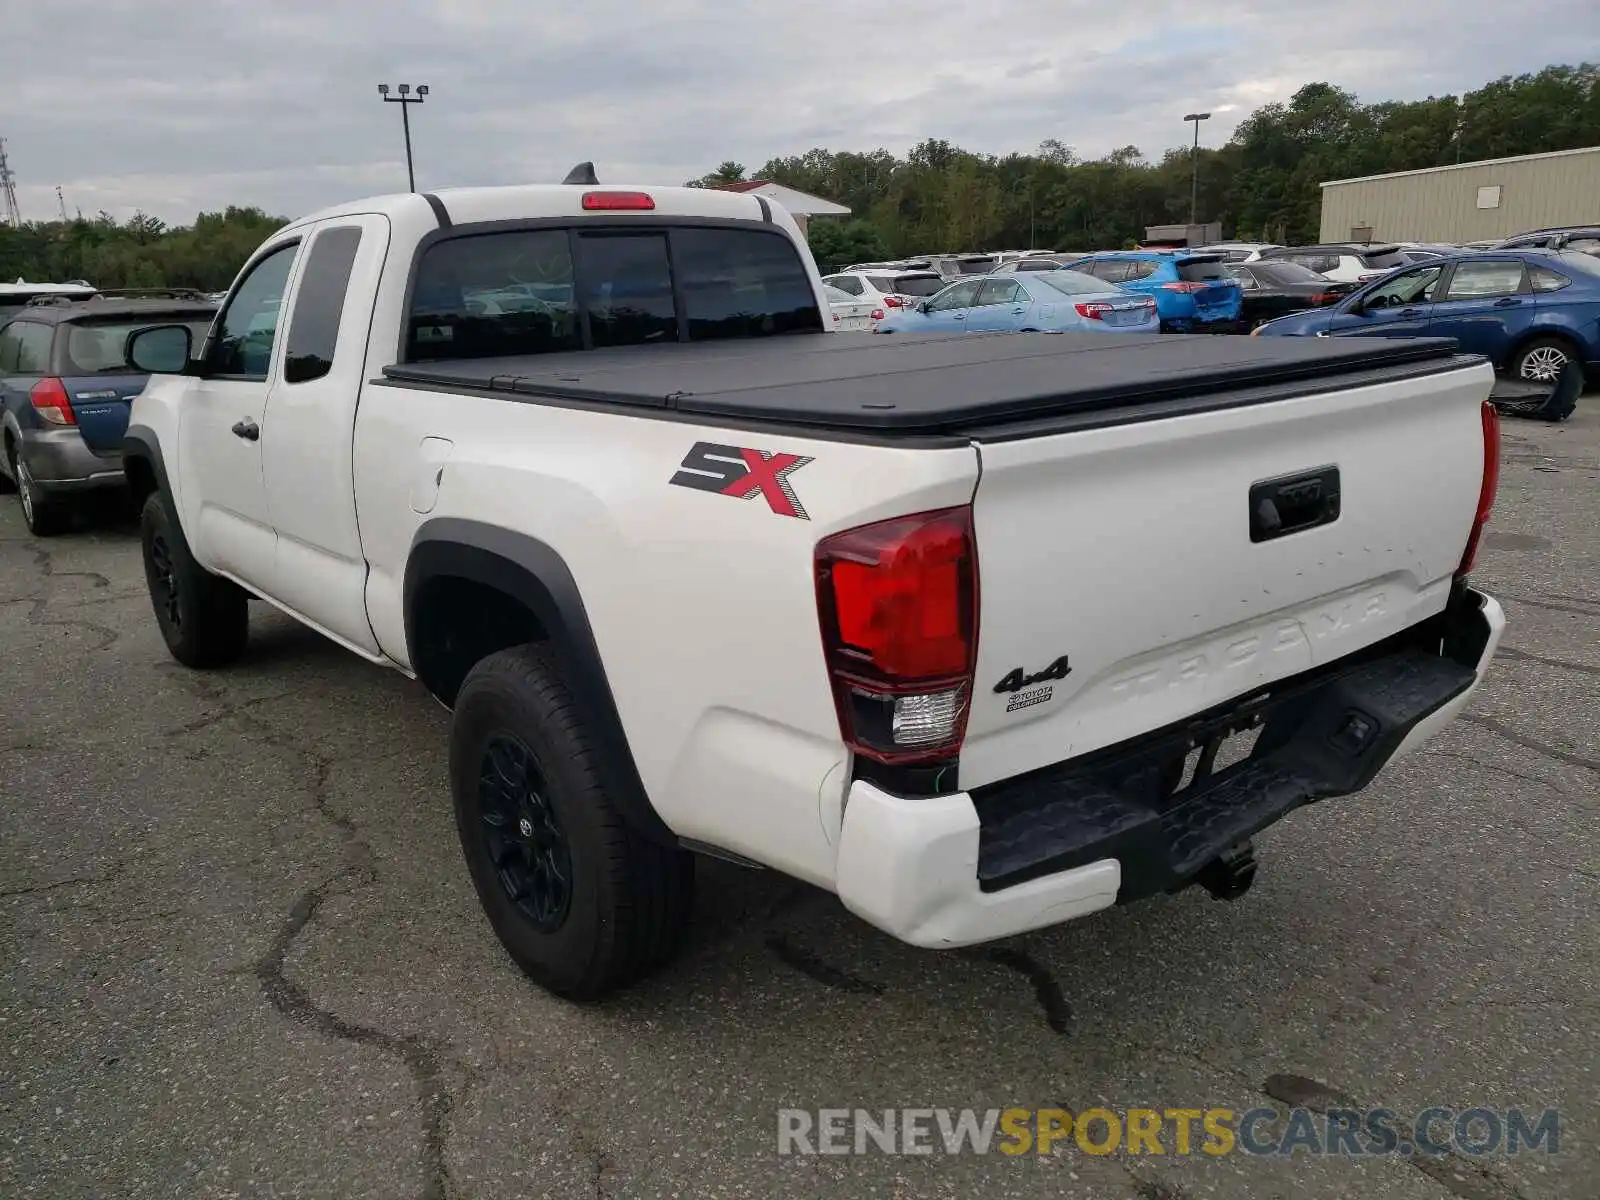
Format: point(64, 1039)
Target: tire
point(204, 619)
point(44, 516)
point(1541, 360)
point(7, 482)
point(581, 902)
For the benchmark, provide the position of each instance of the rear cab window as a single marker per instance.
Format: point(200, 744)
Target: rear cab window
point(547, 290)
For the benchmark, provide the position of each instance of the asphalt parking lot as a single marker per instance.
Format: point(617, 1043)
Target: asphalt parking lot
point(242, 957)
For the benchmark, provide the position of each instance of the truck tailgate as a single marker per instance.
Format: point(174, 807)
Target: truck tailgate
point(1179, 562)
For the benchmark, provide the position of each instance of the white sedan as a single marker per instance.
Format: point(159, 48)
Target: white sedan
point(851, 314)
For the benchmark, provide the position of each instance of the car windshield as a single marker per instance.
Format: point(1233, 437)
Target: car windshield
point(911, 285)
point(97, 347)
point(1070, 283)
point(1202, 270)
point(1287, 272)
point(1386, 260)
point(835, 296)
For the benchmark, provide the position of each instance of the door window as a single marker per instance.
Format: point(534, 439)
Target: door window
point(1411, 287)
point(319, 304)
point(959, 295)
point(997, 291)
point(1245, 278)
point(249, 325)
point(1478, 280)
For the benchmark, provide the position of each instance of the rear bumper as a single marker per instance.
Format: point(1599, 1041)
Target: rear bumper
point(1063, 842)
point(60, 461)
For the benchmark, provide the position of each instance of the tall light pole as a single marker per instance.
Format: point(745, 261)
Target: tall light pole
point(405, 100)
point(1194, 164)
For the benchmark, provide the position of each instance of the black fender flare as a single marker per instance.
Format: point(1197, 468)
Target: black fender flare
point(140, 442)
point(534, 574)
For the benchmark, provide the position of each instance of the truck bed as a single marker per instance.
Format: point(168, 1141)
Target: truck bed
point(967, 384)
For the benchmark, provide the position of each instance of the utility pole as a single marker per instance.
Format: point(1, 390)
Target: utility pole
point(405, 100)
point(1194, 164)
point(61, 204)
point(8, 188)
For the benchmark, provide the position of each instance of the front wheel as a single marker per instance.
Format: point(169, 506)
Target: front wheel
point(581, 902)
point(1541, 360)
point(204, 618)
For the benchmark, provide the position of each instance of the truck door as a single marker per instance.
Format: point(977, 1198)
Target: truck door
point(308, 431)
point(219, 426)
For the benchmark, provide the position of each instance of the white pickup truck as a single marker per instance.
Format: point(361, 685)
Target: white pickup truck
point(981, 632)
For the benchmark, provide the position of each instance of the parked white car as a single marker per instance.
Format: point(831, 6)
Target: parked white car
point(1343, 263)
point(887, 287)
point(1239, 252)
point(851, 314)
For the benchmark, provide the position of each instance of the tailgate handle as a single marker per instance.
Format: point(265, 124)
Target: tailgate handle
point(1293, 503)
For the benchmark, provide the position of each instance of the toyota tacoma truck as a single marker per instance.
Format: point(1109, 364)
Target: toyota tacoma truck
point(981, 633)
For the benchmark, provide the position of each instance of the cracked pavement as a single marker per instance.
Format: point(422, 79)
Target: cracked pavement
point(241, 956)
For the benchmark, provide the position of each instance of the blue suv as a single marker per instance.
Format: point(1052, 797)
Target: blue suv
point(65, 391)
point(1193, 292)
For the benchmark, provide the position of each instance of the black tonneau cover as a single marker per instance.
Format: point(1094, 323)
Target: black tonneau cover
point(892, 384)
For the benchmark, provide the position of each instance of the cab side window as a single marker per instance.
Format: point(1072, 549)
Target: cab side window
point(242, 348)
point(319, 304)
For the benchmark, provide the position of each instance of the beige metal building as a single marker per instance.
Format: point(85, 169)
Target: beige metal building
point(1492, 199)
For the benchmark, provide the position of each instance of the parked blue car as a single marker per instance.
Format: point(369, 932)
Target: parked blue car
point(1529, 312)
point(1040, 301)
point(65, 391)
point(1193, 292)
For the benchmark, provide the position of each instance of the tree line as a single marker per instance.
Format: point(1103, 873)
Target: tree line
point(1262, 185)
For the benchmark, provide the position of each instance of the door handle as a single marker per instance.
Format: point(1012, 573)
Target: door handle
point(1410, 312)
point(1507, 302)
point(1018, 311)
point(247, 429)
point(958, 316)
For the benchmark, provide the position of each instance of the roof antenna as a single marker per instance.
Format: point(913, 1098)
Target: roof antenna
point(582, 174)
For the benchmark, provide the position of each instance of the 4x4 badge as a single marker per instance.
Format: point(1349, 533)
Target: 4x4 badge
point(1019, 679)
point(744, 473)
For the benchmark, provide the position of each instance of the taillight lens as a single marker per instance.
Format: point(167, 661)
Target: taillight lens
point(898, 605)
point(1185, 287)
point(878, 314)
point(617, 200)
point(51, 402)
point(893, 302)
point(1487, 489)
point(1093, 310)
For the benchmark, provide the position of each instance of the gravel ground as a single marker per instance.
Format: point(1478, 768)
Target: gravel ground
point(242, 958)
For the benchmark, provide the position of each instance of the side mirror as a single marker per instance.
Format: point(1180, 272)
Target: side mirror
point(922, 306)
point(160, 349)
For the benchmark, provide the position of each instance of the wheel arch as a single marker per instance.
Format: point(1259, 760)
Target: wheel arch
point(1545, 333)
point(143, 465)
point(516, 589)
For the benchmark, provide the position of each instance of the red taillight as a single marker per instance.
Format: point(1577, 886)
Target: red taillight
point(1324, 297)
point(878, 314)
point(615, 200)
point(898, 604)
point(1093, 309)
point(1185, 287)
point(51, 402)
point(893, 302)
point(1487, 489)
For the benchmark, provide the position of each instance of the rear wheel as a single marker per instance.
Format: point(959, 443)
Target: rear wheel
point(8, 483)
point(44, 516)
point(204, 619)
point(1542, 360)
point(581, 902)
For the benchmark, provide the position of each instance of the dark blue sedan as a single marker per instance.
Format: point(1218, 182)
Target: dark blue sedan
point(1529, 312)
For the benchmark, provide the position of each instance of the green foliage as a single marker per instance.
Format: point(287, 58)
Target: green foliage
point(141, 252)
point(1264, 184)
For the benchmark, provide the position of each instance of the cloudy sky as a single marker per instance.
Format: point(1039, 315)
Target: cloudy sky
point(175, 106)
